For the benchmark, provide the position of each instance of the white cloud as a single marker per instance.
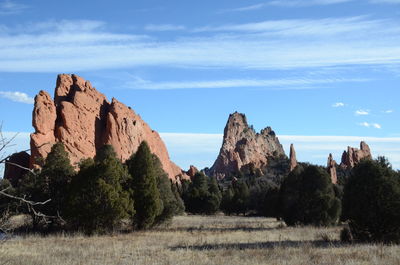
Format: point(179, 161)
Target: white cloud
point(164, 27)
point(361, 112)
point(338, 104)
point(9, 7)
point(283, 44)
point(17, 96)
point(304, 83)
point(297, 3)
point(388, 111)
point(385, 1)
point(371, 125)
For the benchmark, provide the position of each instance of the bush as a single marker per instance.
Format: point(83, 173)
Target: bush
point(146, 196)
point(98, 201)
point(307, 197)
point(345, 235)
point(371, 202)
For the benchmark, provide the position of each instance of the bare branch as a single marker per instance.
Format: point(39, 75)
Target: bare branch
point(19, 166)
point(32, 203)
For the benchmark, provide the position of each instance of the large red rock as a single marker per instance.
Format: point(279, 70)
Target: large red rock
point(331, 165)
point(242, 148)
point(192, 171)
point(83, 120)
point(292, 158)
point(353, 155)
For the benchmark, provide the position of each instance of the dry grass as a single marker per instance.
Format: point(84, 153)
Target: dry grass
point(200, 240)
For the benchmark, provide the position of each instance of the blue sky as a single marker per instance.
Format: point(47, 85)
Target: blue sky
point(323, 73)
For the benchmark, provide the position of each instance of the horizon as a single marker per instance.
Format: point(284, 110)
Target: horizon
point(323, 74)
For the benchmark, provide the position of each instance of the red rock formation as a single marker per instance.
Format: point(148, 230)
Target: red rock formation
point(14, 167)
point(83, 120)
point(292, 157)
point(332, 168)
point(353, 155)
point(242, 147)
point(192, 171)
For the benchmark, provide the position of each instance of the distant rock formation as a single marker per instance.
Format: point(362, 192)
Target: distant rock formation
point(83, 120)
point(353, 155)
point(192, 171)
point(292, 157)
point(332, 169)
point(14, 167)
point(242, 148)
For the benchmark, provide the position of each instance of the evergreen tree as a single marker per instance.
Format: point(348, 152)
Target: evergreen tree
point(241, 197)
point(371, 202)
point(226, 201)
point(98, 201)
point(147, 201)
point(308, 197)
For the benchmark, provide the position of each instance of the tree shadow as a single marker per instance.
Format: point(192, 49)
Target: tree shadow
point(261, 245)
point(221, 229)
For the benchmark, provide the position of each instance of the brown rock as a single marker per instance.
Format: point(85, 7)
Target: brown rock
point(332, 169)
point(14, 167)
point(353, 155)
point(292, 157)
point(192, 171)
point(242, 147)
point(83, 120)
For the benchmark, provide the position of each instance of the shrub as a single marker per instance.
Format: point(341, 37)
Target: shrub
point(371, 202)
point(307, 197)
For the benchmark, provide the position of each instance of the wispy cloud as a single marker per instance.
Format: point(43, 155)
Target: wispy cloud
point(385, 1)
point(388, 111)
point(9, 7)
point(370, 125)
point(304, 83)
point(338, 105)
point(17, 97)
point(281, 44)
point(361, 112)
point(164, 27)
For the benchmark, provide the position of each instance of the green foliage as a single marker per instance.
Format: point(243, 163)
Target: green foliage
point(226, 203)
point(147, 201)
point(241, 197)
point(97, 200)
point(171, 203)
point(371, 202)
point(307, 197)
point(202, 195)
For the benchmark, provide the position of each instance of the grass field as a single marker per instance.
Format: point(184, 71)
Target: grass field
point(200, 240)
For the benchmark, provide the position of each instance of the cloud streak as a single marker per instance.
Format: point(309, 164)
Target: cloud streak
point(17, 96)
point(338, 105)
point(8, 7)
point(371, 125)
point(278, 44)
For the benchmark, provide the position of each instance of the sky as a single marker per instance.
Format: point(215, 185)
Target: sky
point(324, 74)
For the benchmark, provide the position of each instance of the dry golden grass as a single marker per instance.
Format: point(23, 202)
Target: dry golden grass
point(200, 240)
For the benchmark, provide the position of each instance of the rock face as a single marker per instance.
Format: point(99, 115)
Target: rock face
point(331, 165)
point(83, 120)
point(292, 157)
point(353, 155)
point(242, 148)
point(192, 171)
point(12, 172)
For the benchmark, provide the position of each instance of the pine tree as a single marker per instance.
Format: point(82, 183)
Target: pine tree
point(226, 201)
point(146, 196)
point(98, 201)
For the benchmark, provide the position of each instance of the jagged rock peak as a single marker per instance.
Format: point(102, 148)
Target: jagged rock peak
point(84, 120)
point(192, 171)
point(242, 147)
point(354, 155)
point(331, 165)
point(292, 157)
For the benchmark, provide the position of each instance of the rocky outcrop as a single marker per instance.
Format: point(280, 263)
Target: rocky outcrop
point(83, 120)
point(292, 157)
point(192, 171)
point(16, 166)
point(242, 148)
point(353, 156)
point(331, 165)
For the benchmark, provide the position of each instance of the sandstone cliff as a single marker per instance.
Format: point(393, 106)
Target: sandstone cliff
point(83, 119)
point(243, 148)
point(331, 165)
point(353, 155)
point(292, 158)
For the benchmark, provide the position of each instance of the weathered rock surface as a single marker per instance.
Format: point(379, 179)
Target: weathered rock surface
point(354, 155)
point(292, 157)
point(83, 120)
point(192, 171)
point(14, 167)
point(331, 165)
point(242, 147)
